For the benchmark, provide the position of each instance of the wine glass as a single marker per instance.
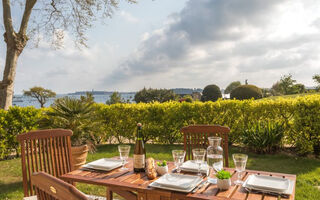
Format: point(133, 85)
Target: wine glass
point(178, 157)
point(240, 161)
point(124, 151)
point(198, 156)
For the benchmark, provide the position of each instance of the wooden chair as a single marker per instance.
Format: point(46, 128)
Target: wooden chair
point(196, 136)
point(44, 150)
point(48, 187)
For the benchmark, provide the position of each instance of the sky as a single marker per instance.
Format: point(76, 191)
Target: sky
point(182, 44)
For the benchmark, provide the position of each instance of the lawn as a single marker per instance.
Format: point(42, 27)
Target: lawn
point(292, 95)
point(307, 170)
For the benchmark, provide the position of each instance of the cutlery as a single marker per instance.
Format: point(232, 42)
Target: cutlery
point(199, 186)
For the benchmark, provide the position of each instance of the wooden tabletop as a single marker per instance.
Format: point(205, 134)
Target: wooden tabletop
point(135, 185)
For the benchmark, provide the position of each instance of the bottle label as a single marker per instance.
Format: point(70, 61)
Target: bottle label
point(139, 161)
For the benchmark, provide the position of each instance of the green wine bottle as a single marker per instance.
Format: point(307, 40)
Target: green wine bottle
point(139, 154)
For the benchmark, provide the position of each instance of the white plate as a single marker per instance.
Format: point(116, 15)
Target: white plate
point(178, 181)
point(105, 164)
point(269, 184)
point(189, 189)
point(192, 166)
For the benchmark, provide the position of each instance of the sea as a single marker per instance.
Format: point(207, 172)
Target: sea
point(24, 101)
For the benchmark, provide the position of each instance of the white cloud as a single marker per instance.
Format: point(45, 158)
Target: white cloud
point(218, 41)
point(129, 17)
point(66, 69)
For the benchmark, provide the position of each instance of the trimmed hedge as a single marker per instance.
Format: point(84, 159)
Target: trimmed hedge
point(246, 92)
point(299, 117)
point(13, 122)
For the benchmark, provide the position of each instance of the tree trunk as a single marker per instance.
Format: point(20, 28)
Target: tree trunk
point(7, 83)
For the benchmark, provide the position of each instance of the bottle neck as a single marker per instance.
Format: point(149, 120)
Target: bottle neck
point(139, 135)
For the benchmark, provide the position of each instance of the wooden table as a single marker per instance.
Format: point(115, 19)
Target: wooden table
point(132, 185)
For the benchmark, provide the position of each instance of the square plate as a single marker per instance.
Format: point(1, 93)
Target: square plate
point(105, 164)
point(189, 189)
point(269, 184)
point(178, 180)
point(192, 166)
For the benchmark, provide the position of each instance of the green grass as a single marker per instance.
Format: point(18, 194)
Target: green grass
point(307, 170)
point(291, 95)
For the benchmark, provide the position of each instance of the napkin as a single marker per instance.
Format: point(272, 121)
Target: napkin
point(192, 166)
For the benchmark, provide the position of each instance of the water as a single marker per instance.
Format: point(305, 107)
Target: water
point(215, 161)
point(24, 101)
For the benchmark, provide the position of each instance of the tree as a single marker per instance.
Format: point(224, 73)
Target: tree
point(246, 92)
point(151, 95)
point(276, 89)
point(41, 94)
point(298, 88)
point(286, 84)
point(51, 17)
point(232, 86)
point(211, 93)
point(316, 79)
point(115, 98)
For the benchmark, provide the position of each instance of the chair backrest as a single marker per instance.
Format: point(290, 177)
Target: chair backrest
point(196, 136)
point(44, 150)
point(51, 188)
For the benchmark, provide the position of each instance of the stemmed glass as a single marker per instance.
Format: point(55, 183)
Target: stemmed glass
point(198, 156)
point(124, 151)
point(178, 157)
point(240, 161)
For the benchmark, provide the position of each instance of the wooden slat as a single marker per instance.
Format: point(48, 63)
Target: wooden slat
point(66, 152)
point(52, 158)
point(46, 148)
point(63, 158)
point(23, 165)
point(40, 155)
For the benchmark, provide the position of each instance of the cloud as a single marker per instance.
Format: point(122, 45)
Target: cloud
point(66, 69)
point(218, 41)
point(129, 17)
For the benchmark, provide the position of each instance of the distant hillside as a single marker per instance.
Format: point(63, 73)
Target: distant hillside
point(186, 91)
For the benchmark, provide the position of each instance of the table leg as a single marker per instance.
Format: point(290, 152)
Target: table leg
point(109, 194)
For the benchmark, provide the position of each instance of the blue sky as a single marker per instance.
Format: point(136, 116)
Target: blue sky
point(182, 43)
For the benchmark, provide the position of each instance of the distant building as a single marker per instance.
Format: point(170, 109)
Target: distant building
point(194, 92)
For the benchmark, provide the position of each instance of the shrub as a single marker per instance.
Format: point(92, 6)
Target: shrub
point(75, 114)
point(232, 86)
point(13, 122)
point(152, 95)
point(211, 93)
point(246, 92)
point(307, 125)
point(299, 119)
point(263, 137)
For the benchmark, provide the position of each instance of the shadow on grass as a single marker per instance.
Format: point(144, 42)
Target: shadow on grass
point(9, 188)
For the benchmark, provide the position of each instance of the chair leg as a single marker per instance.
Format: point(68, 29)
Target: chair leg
point(109, 194)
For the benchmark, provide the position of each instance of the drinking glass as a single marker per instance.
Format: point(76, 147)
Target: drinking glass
point(198, 157)
point(124, 151)
point(240, 161)
point(178, 157)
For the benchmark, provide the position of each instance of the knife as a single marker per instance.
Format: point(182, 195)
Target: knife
point(199, 186)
